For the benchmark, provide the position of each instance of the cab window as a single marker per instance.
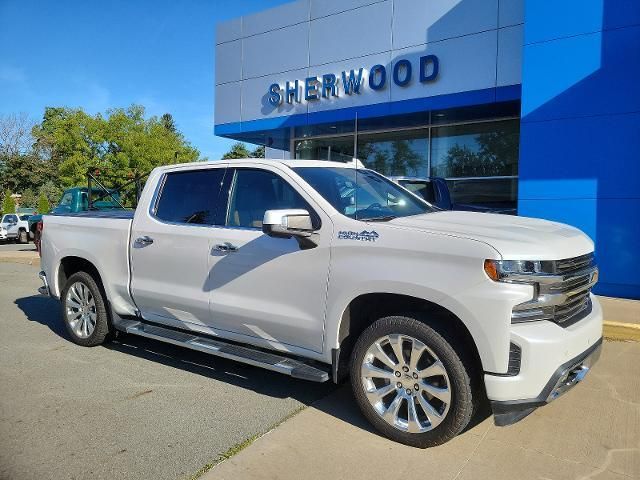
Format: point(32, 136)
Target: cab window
point(192, 197)
point(253, 192)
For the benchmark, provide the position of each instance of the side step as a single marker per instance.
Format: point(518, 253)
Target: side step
point(251, 356)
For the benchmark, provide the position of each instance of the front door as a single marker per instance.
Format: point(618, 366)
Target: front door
point(263, 287)
point(170, 247)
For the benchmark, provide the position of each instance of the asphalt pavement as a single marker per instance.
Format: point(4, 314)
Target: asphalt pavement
point(132, 409)
point(17, 247)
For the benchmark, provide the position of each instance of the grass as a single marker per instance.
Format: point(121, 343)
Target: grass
point(238, 447)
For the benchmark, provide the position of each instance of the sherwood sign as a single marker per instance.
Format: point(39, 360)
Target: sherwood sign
point(351, 82)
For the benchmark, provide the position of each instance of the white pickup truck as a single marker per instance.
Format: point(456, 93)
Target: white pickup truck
point(326, 270)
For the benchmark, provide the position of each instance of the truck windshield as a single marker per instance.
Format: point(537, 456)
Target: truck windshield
point(362, 194)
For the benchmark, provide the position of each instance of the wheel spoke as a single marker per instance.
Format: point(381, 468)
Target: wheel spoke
point(417, 349)
point(442, 394)
point(73, 293)
point(377, 394)
point(391, 413)
point(381, 355)
point(434, 417)
point(396, 343)
point(72, 302)
point(413, 422)
point(369, 371)
point(433, 370)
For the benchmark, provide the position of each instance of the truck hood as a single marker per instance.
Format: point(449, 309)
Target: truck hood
point(515, 238)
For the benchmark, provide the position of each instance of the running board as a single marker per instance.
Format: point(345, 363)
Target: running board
point(251, 356)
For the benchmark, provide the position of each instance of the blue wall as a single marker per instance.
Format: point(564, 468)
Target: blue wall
point(580, 132)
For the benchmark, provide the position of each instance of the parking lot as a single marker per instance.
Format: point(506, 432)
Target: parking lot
point(135, 409)
point(141, 409)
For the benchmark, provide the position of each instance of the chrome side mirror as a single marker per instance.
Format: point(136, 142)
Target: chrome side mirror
point(289, 223)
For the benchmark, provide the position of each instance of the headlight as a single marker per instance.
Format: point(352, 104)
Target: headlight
point(515, 271)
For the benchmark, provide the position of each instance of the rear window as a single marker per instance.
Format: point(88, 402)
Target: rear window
point(192, 197)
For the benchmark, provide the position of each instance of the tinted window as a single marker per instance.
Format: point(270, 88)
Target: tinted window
point(191, 197)
point(24, 217)
point(256, 191)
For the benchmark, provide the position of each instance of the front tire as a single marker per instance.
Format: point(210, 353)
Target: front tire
point(23, 237)
point(410, 383)
point(84, 310)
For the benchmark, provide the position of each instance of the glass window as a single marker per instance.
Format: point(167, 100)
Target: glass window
point(475, 150)
point(192, 197)
point(422, 188)
point(396, 153)
point(10, 219)
point(362, 194)
point(256, 191)
point(488, 192)
point(336, 149)
point(24, 217)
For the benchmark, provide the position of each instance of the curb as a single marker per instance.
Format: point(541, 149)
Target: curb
point(621, 331)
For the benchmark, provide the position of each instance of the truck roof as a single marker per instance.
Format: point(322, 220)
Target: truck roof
point(288, 163)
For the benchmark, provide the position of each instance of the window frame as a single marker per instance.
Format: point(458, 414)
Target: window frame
point(153, 206)
point(315, 217)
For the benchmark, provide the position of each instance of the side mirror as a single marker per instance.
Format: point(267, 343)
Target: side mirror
point(289, 223)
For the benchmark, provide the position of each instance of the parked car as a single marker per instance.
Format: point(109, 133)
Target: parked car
point(74, 200)
point(469, 194)
point(15, 227)
point(325, 270)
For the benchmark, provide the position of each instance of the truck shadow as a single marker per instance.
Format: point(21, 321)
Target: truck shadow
point(341, 405)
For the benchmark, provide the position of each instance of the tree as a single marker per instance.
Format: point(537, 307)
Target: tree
point(167, 122)
point(258, 152)
point(8, 204)
point(238, 150)
point(15, 134)
point(28, 199)
point(43, 203)
point(120, 141)
point(52, 192)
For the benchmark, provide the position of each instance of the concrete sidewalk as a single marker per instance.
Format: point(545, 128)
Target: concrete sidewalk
point(593, 432)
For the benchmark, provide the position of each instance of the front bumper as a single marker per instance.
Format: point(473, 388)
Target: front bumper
point(564, 379)
point(548, 352)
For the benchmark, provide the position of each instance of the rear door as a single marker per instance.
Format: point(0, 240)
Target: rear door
point(170, 246)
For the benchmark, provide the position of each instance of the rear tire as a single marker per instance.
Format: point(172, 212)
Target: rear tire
point(423, 399)
point(84, 310)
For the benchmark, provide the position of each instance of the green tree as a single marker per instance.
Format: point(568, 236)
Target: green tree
point(168, 122)
point(238, 150)
point(52, 191)
point(43, 203)
point(120, 141)
point(258, 152)
point(8, 204)
point(28, 199)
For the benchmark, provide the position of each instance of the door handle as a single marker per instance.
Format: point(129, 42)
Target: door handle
point(144, 241)
point(225, 247)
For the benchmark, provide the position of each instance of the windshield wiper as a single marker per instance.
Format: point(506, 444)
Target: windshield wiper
point(386, 218)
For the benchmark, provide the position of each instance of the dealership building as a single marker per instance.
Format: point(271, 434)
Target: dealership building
point(534, 103)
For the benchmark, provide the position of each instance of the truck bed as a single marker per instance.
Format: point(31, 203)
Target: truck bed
point(102, 238)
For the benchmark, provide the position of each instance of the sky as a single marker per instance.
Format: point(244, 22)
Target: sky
point(104, 54)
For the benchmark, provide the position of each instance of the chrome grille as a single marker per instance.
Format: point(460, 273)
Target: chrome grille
point(572, 264)
point(563, 296)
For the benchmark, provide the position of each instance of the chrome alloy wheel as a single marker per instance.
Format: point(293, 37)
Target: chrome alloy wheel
point(80, 310)
point(406, 383)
